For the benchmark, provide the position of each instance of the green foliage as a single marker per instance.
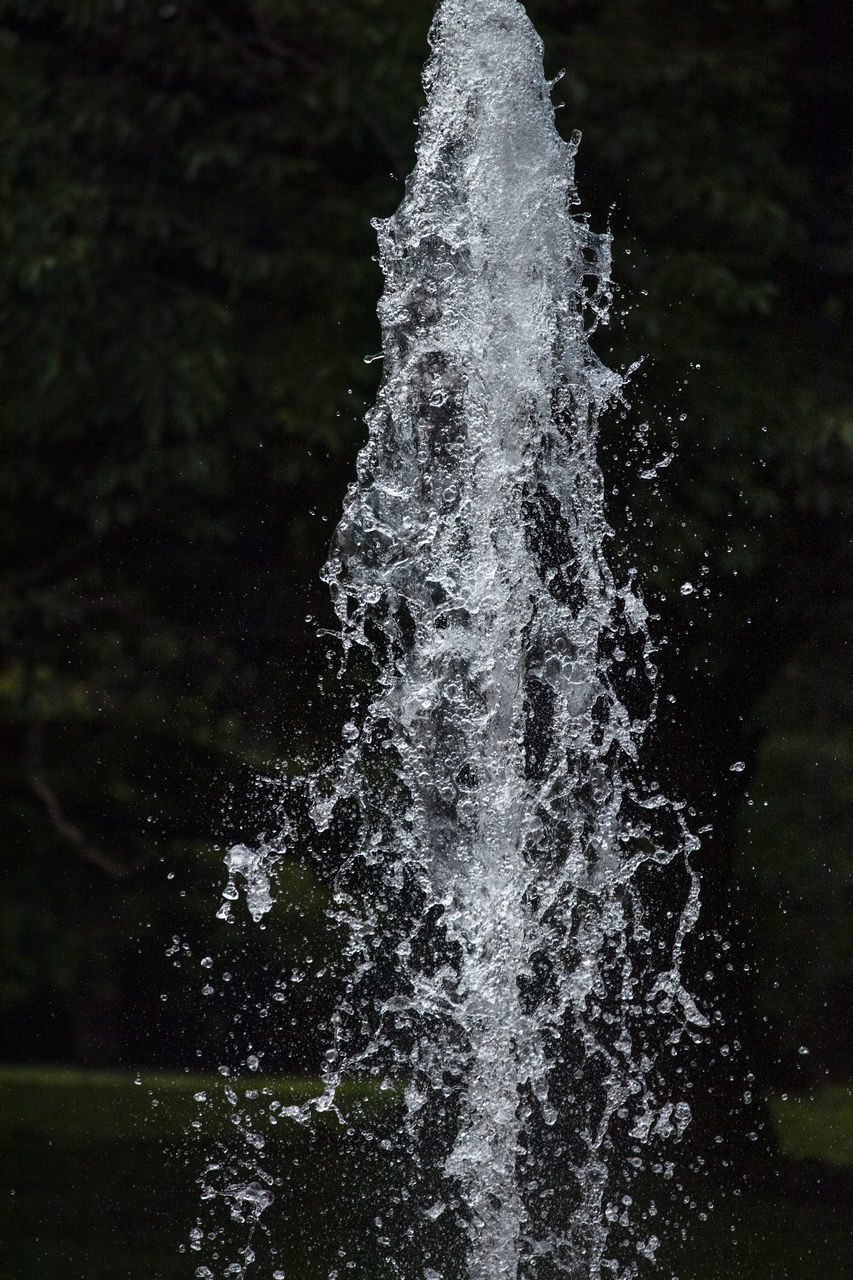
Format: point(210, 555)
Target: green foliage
point(816, 1126)
point(166, 425)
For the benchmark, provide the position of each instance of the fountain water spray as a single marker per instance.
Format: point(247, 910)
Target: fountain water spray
point(517, 890)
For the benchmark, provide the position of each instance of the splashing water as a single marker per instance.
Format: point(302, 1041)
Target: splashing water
point(517, 892)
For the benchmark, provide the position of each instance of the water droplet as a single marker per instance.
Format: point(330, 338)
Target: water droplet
point(687, 588)
point(681, 1115)
point(737, 767)
point(253, 866)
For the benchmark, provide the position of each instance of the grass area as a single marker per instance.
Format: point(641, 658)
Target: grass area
point(60, 1102)
point(816, 1126)
point(104, 1182)
point(74, 1105)
point(110, 1105)
point(101, 1173)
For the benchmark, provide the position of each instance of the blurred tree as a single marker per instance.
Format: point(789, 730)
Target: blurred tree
point(187, 294)
point(182, 196)
point(794, 872)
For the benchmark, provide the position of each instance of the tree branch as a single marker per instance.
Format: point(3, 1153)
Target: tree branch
point(40, 787)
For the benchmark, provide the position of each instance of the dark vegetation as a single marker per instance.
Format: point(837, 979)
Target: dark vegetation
point(187, 294)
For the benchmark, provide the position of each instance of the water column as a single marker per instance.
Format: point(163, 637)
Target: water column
point(514, 889)
point(516, 892)
point(510, 217)
point(483, 341)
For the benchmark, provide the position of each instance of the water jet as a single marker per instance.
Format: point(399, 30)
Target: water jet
point(516, 889)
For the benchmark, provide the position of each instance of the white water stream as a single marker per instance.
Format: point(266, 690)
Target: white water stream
point(512, 955)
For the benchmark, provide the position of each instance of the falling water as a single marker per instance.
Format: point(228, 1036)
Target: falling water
point(517, 890)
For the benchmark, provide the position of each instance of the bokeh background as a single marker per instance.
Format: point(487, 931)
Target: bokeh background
point(187, 292)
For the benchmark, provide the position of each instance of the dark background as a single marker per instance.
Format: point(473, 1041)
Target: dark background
point(187, 293)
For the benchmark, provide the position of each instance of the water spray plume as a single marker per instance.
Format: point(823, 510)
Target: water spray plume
point(517, 889)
